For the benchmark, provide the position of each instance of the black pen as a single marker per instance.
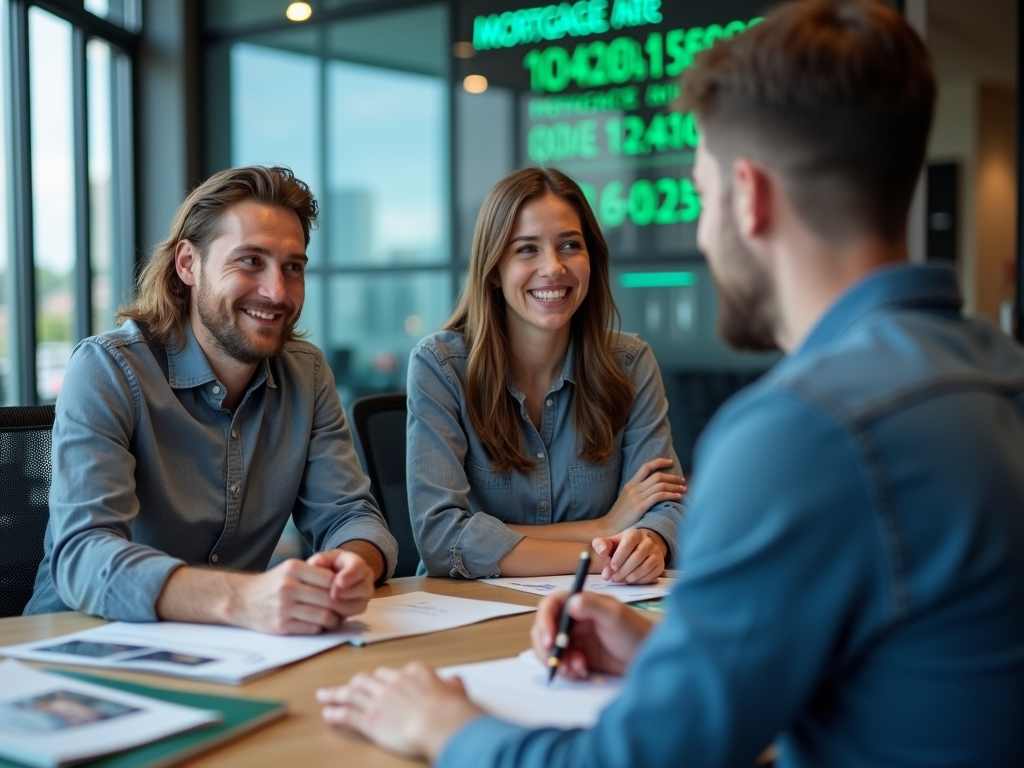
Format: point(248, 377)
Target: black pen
point(565, 622)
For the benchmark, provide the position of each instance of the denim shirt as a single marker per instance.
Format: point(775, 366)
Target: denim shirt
point(150, 472)
point(853, 562)
point(459, 504)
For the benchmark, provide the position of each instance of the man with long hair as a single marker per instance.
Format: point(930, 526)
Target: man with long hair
point(185, 439)
point(853, 554)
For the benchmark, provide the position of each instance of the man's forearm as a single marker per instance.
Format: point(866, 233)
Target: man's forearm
point(372, 556)
point(199, 595)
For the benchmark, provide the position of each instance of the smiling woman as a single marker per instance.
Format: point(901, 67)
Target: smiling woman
point(536, 429)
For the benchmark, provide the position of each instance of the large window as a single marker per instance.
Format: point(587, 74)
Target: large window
point(357, 105)
point(53, 195)
point(6, 236)
point(66, 183)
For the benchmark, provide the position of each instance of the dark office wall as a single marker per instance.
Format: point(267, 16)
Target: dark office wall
point(166, 94)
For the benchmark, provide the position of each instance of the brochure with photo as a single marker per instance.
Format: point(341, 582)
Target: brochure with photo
point(233, 655)
point(49, 720)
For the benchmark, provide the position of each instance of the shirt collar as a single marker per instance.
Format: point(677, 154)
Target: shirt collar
point(188, 367)
point(900, 286)
point(566, 376)
point(568, 367)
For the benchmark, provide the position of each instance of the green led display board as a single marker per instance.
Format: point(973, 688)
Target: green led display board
point(595, 86)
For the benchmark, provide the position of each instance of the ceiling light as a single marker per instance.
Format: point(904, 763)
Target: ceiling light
point(299, 11)
point(475, 83)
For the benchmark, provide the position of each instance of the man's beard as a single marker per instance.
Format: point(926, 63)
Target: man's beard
point(232, 340)
point(748, 313)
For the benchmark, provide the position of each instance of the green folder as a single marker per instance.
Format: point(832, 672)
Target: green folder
point(655, 606)
point(239, 717)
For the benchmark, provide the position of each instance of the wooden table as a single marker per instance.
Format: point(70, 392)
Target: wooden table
point(302, 739)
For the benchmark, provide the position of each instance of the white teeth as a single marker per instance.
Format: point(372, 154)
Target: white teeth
point(261, 315)
point(554, 295)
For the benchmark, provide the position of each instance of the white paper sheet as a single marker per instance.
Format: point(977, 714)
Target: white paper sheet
point(417, 613)
point(516, 690)
point(49, 720)
point(626, 593)
point(233, 655)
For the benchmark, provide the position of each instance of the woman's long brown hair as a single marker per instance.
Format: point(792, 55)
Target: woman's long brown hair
point(604, 395)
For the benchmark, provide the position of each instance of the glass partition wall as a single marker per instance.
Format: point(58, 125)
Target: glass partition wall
point(358, 107)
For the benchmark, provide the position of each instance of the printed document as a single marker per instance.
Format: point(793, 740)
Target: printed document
point(516, 690)
point(50, 720)
point(233, 655)
point(626, 593)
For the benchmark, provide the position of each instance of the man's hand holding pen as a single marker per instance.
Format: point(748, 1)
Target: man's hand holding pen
point(604, 637)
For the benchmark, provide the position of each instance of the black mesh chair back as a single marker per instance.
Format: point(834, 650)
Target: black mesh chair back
point(380, 428)
point(24, 500)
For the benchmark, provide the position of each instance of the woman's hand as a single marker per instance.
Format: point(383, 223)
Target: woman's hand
point(637, 556)
point(409, 711)
point(647, 487)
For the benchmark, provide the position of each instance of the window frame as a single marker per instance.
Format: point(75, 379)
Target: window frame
point(21, 293)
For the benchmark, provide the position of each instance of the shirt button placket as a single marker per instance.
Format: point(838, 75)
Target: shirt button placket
point(234, 463)
point(543, 474)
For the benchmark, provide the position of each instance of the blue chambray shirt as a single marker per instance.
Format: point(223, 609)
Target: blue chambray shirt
point(853, 562)
point(459, 504)
point(150, 472)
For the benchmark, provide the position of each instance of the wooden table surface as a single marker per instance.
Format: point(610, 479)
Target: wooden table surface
point(302, 740)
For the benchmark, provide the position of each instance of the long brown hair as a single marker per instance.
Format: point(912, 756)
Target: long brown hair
point(604, 395)
point(161, 298)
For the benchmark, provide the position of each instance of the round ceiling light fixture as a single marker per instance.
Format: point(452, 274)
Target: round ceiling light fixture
point(475, 83)
point(299, 11)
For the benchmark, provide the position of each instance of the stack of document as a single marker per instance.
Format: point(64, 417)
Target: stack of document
point(232, 655)
point(48, 720)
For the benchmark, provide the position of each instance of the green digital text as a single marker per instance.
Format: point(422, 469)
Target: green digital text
point(644, 202)
point(556, 21)
point(627, 135)
point(623, 60)
point(625, 99)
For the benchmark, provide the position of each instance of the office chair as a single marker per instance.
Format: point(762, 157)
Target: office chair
point(380, 428)
point(24, 500)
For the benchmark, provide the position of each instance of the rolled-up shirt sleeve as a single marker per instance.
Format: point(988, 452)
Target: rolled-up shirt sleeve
point(334, 504)
point(94, 564)
point(646, 436)
point(453, 540)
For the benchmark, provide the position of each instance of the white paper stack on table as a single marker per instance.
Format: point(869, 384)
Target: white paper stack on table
point(517, 690)
point(233, 655)
point(626, 593)
point(48, 720)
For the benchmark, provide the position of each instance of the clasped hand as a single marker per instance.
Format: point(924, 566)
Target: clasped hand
point(306, 598)
point(637, 555)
